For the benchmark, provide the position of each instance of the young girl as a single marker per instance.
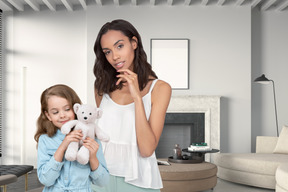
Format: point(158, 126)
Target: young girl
point(56, 173)
point(135, 104)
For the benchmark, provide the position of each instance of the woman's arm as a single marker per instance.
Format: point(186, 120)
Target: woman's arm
point(149, 132)
point(98, 98)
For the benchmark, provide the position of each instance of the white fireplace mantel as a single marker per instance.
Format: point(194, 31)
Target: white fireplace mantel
point(210, 106)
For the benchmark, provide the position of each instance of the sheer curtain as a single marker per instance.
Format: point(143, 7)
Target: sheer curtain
point(1, 84)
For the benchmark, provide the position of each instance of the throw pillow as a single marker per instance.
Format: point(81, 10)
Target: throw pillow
point(282, 143)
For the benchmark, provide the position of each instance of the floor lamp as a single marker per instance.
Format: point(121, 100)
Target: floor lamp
point(263, 80)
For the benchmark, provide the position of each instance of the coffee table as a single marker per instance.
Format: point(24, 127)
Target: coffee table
point(194, 156)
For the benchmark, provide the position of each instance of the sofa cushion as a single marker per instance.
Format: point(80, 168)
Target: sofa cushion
point(246, 178)
point(282, 177)
point(266, 144)
point(282, 143)
point(7, 179)
point(259, 163)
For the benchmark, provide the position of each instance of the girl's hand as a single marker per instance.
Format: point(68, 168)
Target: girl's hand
point(92, 146)
point(131, 79)
point(73, 136)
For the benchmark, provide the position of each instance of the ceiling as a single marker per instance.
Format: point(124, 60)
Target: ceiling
point(72, 5)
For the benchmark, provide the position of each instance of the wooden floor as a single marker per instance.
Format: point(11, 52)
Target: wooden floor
point(222, 186)
point(19, 186)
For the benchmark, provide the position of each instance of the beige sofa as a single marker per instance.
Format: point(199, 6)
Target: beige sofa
point(282, 178)
point(255, 169)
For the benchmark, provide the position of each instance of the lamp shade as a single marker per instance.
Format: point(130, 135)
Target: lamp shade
point(262, 80)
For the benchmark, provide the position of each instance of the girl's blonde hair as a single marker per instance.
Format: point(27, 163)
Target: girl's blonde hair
point(44, 126)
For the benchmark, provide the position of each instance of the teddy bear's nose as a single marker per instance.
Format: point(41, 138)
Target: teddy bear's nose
point(85, 118)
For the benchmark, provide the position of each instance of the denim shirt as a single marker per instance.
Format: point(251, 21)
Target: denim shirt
point(68, 176)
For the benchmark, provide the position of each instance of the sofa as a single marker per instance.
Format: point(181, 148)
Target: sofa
point(267, 168)
point(282, 178)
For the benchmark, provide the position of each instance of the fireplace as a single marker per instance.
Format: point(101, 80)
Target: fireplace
point(183, 129)
point(191, 110)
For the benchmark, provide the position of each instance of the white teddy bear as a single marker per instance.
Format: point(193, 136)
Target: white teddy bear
point(86, 116)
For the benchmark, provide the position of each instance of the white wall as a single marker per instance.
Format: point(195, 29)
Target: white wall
point(46, 48)
point(270, 45)
point(56, 45)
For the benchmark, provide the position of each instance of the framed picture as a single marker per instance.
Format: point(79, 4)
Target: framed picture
point(170, 61)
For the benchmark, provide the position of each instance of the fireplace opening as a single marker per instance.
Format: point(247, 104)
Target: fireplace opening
point(183, 129)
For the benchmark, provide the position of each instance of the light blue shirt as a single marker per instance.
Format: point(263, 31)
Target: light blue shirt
point(67, 176)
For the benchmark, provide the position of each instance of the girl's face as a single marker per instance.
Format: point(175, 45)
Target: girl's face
point(59, 111)
point(118, 49)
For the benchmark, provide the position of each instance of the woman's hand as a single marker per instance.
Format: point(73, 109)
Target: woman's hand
point(93, 147)
point(131, 79)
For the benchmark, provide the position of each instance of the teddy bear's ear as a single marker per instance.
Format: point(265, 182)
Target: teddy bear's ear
point(76, 106)
point(99, 113)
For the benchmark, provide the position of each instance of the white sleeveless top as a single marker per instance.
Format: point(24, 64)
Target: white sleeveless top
point(121, 152)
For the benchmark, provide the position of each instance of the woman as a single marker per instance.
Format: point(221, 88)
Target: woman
point(134, 104)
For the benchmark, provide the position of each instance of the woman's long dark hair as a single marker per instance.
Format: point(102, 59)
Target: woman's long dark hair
point(105, 74)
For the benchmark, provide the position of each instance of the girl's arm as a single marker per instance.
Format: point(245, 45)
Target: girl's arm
point(74, 136)
point(48, 169)
point(148, 132)
point(49, 159)
point(99, 171)
point(93, 147)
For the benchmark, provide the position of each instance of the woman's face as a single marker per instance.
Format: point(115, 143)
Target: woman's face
point(59, 111)
point(118, 49)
